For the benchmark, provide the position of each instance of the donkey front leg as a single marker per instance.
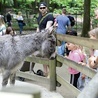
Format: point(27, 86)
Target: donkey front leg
point(12, 78)
point(6, 76)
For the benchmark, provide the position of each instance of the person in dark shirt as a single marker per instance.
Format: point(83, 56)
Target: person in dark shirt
point(72, 20)
point(8, 18)
point(45, 19)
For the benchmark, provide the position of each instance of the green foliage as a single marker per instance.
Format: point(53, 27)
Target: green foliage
point(55, 6)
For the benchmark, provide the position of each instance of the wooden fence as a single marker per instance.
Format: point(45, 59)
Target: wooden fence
point(60, 61)
point(55, 78)
point(20, 92)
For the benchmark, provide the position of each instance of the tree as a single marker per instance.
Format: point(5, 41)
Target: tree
point(86, 18)
point(15, 4)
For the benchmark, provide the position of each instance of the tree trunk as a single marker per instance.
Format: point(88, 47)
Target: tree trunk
point(0, 6)
point(15, 4)
point(86, 20)
point(47, 1)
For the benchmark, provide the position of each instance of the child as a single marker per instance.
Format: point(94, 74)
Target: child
point(96, 13)
point(91, 60)
point(10, 31)
point(93, 35)
point(73, 33)
point(76, 55)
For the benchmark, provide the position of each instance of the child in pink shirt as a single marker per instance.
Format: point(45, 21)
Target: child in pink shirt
point(77, 56)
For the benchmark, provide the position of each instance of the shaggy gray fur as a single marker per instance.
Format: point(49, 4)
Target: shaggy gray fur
point(13, 51)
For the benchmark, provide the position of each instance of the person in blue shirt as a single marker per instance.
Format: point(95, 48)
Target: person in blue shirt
point(62, 24)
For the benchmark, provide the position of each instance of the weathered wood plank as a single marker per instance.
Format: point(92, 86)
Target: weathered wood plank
point(32, 76)
point(14, 95)
point(84, 69)
point(91, 90)
point(37, 60)
point(90, 43)
point(20, 92)
point(68, 85)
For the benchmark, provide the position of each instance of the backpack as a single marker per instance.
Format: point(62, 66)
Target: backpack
point(72, 20)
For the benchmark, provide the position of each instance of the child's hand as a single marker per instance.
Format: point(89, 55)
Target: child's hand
point(83, 77)
point(82, 63)
point(66, 56)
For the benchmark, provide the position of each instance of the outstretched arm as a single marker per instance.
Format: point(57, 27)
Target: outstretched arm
point(49, 24)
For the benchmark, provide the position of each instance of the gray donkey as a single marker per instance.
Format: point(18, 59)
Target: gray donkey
point(13, 51)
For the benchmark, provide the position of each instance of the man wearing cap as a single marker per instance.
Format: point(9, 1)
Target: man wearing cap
point(45, 20)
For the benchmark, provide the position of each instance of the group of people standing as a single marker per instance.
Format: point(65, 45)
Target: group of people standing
point(6, 28)
point(76, 53)
point(62, 23)
point(46, 20)
point(6, 23)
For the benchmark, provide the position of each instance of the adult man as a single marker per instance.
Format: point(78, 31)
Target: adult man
point(62, 22)
point(8, 18)
point(45, 21)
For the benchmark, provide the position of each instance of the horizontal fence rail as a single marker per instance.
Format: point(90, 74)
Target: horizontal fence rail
point(84, 69)
point(90, 43)
point(33, 77)
point(68, 85)
point(90, 91)
point(20, 92)
point(37, 60)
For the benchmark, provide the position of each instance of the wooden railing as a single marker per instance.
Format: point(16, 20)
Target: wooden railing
point(59, 61)
point(91, 91)
point(52, 67)
point(20, 92)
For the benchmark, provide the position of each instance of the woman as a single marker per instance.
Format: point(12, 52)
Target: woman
point(2, 26)
point(20, 21)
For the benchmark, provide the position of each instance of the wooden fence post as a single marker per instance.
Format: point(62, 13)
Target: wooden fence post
point(52, 67)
